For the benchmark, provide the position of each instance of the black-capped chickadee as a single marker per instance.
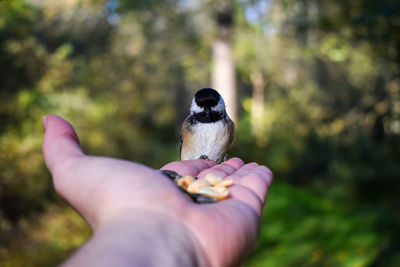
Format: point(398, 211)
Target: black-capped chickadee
point(208, 131)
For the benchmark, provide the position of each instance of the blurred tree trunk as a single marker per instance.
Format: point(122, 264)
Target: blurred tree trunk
point(181, 97)
point(223, 74)
point(378, 130)
point(257, 107)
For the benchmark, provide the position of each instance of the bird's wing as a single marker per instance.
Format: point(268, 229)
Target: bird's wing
point(184, 128)
point(180, 144)
point(231, 128)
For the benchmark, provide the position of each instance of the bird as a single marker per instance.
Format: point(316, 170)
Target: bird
point(207, 131)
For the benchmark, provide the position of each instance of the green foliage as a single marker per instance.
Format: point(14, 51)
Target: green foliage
point(303, 228)
point(330, 125)
point(46, 240)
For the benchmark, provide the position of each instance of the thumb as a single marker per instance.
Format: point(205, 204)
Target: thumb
point(60, 144)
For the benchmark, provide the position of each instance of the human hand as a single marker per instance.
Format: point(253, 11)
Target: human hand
point(124, 201)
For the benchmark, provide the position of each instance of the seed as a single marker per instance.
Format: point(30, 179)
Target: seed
point(224, 183)
point(202, 198)
point(208, 190)
point(185, 181)
point(211, 192)
point(171, 174)
point(197, 184)
point(220, 189)
point(213, 179)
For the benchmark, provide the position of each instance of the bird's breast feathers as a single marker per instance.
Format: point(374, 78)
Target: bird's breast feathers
point(210, 139)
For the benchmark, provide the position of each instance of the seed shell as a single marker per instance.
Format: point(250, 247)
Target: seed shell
point(197, 184)
point(185, 181)
point(213, 178)
point(211, 192)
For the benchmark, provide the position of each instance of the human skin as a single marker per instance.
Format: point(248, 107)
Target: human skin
point(140, 218)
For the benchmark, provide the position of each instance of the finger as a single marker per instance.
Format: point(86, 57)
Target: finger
point(258, 180)
point(245, 169)
point(189, 167)
point(224, 169)
point(265, 173)
point(60, 142)
point(235, 162)
point(242, 171)
point(247, 196)
point(256, 184)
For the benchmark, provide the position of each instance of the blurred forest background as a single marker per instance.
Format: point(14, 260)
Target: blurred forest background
point(317, 89)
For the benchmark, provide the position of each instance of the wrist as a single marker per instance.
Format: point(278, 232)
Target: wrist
point(145, 239)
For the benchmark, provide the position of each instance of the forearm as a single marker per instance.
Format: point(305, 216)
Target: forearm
point(143, 241)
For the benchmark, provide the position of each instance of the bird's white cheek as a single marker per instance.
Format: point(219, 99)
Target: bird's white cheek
point(194, 108)
point(220, 107)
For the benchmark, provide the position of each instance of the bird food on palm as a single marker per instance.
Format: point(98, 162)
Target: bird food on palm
point(208, 190)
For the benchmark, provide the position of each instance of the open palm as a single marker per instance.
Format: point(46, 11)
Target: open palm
point(103, 189)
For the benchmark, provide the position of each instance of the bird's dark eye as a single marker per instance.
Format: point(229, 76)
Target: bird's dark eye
point(207, 97)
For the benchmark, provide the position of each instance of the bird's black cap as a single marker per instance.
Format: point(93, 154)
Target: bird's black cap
point(207, 97)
